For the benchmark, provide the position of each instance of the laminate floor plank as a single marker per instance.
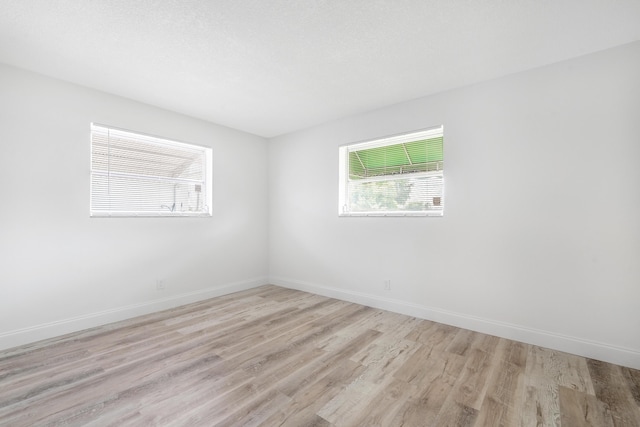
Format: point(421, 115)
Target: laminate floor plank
point(259, 389)
point(561, 369)
point(382, 359)
point(307, 399)
point(271, 356)
point(633, 381)
point(582, 409)
point(454, 414)
point(383, 408)
point(434, 335)
point(88, 392)
point(612, 389)
point(514, 352)
point(461, 342)
point(472, 382)
point(505, 392)
point(298, 381)
point(234, 344)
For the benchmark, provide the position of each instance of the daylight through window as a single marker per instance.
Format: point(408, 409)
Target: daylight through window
point(140, 175)
point(399, 175)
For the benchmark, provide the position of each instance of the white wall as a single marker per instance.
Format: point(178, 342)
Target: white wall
point(61, 270)
point(540, 240)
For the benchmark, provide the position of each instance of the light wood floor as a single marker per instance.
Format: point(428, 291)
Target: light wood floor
point(273, 356)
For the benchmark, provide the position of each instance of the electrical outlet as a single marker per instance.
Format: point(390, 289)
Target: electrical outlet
point(160, 285)
point(387, 285)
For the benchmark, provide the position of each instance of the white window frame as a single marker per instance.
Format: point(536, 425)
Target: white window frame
point(203, 185)
point(343, 175)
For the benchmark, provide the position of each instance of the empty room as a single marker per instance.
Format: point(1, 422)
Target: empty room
point(320, 213)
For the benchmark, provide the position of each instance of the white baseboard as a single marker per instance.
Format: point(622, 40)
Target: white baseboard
point(582, 347)
point(64, 326)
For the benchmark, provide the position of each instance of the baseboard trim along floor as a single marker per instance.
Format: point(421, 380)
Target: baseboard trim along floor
point(591, 349)
point(273, 356)
point(78, 323)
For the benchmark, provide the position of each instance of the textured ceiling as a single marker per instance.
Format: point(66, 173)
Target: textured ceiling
point(271, 67)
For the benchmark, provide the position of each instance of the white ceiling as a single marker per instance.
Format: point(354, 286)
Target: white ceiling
point(271, 67)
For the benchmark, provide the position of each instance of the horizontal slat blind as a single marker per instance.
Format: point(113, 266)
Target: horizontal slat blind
point(396, 176)
point(133, 174)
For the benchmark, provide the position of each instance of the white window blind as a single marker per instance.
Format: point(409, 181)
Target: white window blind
point(400, 175)
point(140, 175)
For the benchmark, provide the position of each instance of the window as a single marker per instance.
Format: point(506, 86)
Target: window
point(399, 175)
point(141, 175)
